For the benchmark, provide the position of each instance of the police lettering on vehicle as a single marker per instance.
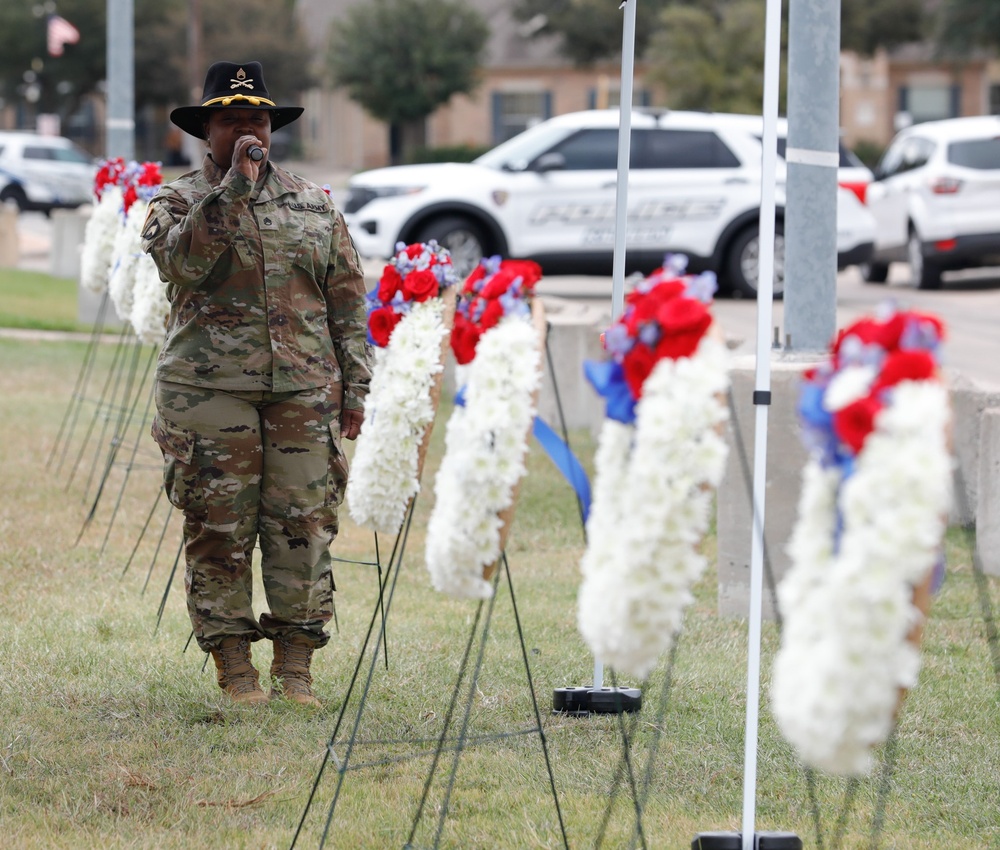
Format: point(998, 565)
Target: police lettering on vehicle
point(641, 236)
point(687, 209)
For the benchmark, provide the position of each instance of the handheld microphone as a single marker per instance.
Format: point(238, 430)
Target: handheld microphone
point(255, 153)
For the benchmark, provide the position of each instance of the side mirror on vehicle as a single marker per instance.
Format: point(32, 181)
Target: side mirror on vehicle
point(551, 161)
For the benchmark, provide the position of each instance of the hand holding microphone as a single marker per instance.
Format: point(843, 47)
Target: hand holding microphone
point(248, 154)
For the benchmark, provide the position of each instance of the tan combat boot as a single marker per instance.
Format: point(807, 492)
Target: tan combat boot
point(235, 674)
point(290, 668)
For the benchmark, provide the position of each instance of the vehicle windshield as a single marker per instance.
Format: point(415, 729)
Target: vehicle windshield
point(517, 153)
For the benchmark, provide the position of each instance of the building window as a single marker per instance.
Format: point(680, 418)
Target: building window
point(640, 97)
point(929, 103)
point(995, 99)
point(515, 112)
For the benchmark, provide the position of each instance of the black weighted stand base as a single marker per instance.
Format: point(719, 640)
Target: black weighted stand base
point(584, 700)
point(734, 841)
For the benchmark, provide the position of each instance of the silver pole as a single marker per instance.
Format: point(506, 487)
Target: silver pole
point(621, 193)
point(624, 146)
point(120, 124)
point(762, 391)
point(813, 157)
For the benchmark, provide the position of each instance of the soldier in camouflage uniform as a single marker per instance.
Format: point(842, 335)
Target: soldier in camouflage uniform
point(264, 370)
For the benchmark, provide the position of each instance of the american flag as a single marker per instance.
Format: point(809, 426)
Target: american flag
point(60, 33)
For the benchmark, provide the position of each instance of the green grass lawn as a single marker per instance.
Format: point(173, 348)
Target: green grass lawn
point(112, 736)
point(38, 301)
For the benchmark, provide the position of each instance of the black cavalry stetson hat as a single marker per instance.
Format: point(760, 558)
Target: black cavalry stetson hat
point(233, 84)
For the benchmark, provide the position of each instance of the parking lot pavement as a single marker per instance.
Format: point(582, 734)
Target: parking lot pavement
point(969, 303)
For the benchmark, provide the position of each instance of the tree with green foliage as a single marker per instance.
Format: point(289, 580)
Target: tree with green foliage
point(402, 59)
point(268, 31)
point(589, 30)
point(706, 57)
point(866, 25)
point(50, 81)
point(964, 23)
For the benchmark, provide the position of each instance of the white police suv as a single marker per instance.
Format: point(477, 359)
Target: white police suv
point(936, 200)
point(44, 172)
point(549, 194)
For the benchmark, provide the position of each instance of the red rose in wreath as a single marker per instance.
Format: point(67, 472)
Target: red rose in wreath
point(491, 315)
point(381, 323)
point(853, 423)
point(637, 365)
point(645, 306)
point(464, 339)
point(684, 322)
point(390, 283)
point(420, 285)
point(899, 366)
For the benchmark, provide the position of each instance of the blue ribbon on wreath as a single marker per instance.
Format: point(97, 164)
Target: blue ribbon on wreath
point(608, 378)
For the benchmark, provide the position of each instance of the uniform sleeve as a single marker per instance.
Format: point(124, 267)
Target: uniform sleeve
point(347, 316)
point(186, 238)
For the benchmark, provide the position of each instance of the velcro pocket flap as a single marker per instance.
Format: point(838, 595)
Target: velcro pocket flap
point(173, 440)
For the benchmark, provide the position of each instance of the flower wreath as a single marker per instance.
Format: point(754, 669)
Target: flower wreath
point(134, 282)
point(496, 339)
point(102, 226)
point(872, 513)
point(409, 316)
point(660, 455)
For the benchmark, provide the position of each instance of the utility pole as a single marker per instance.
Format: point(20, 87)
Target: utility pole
point(196, 63)
point(192, 149)
point(121, 80)
point(813, 156)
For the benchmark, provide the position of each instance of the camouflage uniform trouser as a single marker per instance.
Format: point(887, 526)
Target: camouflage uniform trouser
point(247, 464)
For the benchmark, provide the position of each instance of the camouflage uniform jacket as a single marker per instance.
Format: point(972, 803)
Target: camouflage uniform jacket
point(266, 290)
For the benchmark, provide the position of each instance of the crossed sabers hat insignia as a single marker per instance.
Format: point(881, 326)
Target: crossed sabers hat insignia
point(241, 80)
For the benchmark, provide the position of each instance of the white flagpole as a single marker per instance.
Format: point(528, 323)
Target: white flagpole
point(762, 397)
point(624, 147)
point(621, 194)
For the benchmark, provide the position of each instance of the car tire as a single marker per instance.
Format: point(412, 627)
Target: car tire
point(874, 272)
point(924, 274)
point(462, 236)
point(16, 194)
point(743, 260)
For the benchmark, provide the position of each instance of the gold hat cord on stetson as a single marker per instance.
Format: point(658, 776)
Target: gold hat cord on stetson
point(225, 101)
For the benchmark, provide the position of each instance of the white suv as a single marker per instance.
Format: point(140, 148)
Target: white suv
point(549, 194)
point(936, 200)
point(44, 172)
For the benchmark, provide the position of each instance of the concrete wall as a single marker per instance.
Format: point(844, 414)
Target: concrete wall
point(968, 402)
point(574, 336)
point(976, 440)
point(785, 459)
point(10, 249)
point(68, 228)
point(988, 519)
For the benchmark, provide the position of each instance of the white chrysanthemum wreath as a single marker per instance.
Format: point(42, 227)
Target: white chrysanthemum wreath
point(659, 458)
point(99, 240)
point(102, 226)
point(872, 514)
point(112, 259)
point(409, 320)
point(129, 265)
point(497, 341)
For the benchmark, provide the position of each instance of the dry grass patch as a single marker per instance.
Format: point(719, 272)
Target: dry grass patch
point(111, 735)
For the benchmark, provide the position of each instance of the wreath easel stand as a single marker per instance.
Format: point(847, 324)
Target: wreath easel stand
point(445, 740)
